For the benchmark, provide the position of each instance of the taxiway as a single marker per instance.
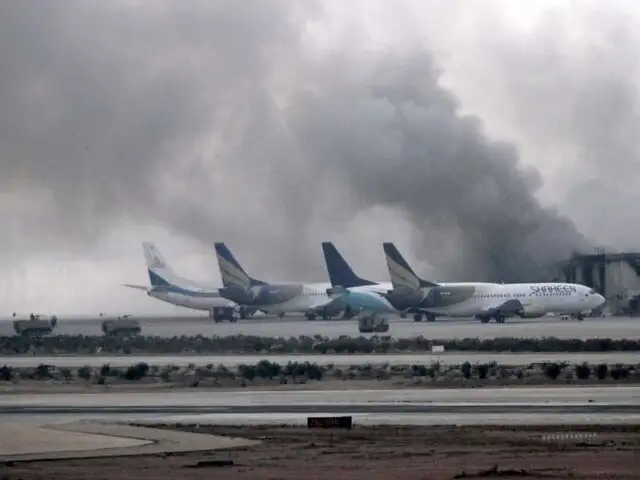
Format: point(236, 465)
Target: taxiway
point(595, 327)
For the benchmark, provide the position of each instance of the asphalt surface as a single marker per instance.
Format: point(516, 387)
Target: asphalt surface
point(487, 406)
point(597, 327)
point(575, 405)
point(513, 359)
point(463, 397)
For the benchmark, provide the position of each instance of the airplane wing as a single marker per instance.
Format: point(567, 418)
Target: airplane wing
point(137, 287)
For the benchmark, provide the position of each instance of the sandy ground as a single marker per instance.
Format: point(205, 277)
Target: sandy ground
point(371, 453)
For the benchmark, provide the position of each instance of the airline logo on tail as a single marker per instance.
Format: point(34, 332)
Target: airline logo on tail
point(156, 262)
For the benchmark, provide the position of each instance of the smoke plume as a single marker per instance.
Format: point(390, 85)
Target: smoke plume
point(223, 123)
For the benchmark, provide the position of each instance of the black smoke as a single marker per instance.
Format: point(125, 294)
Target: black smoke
point(220, 121)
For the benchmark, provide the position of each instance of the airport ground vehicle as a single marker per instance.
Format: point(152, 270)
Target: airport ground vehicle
point(219, 314)
point(373, 325)
point(35, 325)
point(123, 325)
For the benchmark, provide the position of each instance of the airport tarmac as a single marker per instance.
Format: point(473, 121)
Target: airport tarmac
point(261, 399)
point(543, 404)
point(64, 425)
point(595, 327)
point(511, 359)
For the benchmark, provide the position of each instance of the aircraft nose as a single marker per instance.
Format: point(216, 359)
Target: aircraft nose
point(601, 300)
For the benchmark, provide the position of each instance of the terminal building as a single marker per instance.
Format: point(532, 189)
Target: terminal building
point(616, 276)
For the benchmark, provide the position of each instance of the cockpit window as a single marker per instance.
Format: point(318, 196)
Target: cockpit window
point(592, 292)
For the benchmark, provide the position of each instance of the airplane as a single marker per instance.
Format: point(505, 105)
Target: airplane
point(342, 275)
point(311, 299)
point(171, 288)
point(363, 303)
point(485, 301)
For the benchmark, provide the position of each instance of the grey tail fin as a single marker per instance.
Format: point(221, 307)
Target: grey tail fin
point(232, 273)
point(402, 275)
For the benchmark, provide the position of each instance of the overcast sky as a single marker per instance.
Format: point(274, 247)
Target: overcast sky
point(487, 140)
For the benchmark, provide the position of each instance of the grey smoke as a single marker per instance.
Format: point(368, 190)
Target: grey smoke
point(577, 101)
point(216, 120)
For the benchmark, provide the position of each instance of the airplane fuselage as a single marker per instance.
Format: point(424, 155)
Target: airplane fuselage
point(468, 299)
point(188, 298)
point(281, 298)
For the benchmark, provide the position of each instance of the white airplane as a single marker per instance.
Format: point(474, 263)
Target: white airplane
point(169, 287)
point(311, 299)
point(485, 301)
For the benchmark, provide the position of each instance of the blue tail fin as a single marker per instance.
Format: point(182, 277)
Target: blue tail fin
point(232, 273)
point(340, 273)
point(402, 275)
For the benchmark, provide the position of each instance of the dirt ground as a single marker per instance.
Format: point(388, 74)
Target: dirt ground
point(372, 453)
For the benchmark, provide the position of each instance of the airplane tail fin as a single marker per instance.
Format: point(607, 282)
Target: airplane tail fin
point(340, 273)
point(402, 275)
point(232, 273)
point(160, 273)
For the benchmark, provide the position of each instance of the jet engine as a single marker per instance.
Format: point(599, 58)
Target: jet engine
point(238, 295)
point(402, 298)
point(531, 311)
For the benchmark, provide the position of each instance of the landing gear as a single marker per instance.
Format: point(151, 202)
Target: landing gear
point(310, 316)
point(580, 317)
point(219, 314)
point(418, 317)
point(281, 315)
point(487, 318)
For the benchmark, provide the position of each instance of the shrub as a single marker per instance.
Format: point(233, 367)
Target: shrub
point(105, 370)
point(583, 372)
point(88, 345)
point(85, 372)
point(465, 368)
point(137, 371)
point(42, 372)
point(619, 372)
point(553, 370)
point(602, 371)
point(483, 370)
point(6, 373)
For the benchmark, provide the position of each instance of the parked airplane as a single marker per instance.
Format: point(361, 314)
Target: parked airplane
point(311, 299)
point(485, 301)
point(342, 275)
point(171, 288)
point(369, 304)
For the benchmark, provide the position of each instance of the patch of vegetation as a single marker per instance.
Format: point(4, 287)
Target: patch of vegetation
point(267, 372)
point(248, 344)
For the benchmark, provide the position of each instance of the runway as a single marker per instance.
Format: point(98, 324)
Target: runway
point(511, 359)
point(511, 405)
point(600, 327)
